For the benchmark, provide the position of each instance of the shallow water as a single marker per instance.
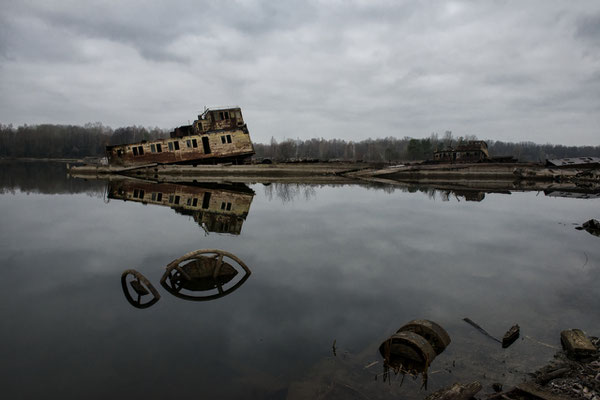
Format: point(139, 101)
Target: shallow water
point(329, 264)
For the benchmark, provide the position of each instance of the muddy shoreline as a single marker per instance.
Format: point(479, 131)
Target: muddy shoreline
point(484, 177)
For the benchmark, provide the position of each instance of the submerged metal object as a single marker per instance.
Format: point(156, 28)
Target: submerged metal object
point(141, 286)
point(189, 277)
point(200, 271)
point(413, 348)
point(510, 336)
point(407, 348)
point(432, 332)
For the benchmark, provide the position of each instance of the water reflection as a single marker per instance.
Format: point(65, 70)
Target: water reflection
point(141, 286)
point(346, 265)
point(52, 178)
point(216, 208)
point(196, 274)
point(200, 275)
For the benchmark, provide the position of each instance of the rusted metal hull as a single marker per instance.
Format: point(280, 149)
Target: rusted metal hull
point(219, 146)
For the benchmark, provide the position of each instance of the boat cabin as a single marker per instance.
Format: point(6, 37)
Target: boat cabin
point(218, 135)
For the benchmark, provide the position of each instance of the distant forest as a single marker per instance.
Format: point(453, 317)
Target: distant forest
point(71, 141)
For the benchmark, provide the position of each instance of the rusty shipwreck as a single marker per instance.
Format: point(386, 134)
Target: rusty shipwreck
point(219, 135)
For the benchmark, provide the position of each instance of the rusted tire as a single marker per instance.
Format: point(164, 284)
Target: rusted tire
point(408, 345)
point(432, 332)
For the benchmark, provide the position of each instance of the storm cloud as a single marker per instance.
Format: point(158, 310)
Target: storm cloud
point(504, 70)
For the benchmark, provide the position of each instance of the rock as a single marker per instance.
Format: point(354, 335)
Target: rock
point(592, 226)
point(497, 387)
point(576, 344)
point(458, 391)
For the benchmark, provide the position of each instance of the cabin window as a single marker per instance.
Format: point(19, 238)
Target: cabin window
point(170, 146)
point(177, 199)
point(222, 205)
point(141, 150)
point(176, 144)
point(158, 148)
point(159, 197)
point(135, 153)
point(135, 193)
point(195, 202)
point(194, 143)
point(189, 143)
point(153, 148)
point(153, 196)
point(228, 206)
point(228, 138)
point(120, 153)
point(189, 201)
point(221, 115)
point(171, 198)
point(223, 139)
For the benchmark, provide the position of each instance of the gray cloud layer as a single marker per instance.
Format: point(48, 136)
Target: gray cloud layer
point(507, 70)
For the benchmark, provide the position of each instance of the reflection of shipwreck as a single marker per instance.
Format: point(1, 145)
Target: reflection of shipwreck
point(200, 275)
point(215, 207)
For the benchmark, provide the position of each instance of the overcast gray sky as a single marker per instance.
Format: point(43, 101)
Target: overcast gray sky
point(504, 70)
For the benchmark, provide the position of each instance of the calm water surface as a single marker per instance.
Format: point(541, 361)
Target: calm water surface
point(349, 264)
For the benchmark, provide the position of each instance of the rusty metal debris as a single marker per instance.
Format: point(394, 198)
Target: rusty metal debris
point(510, 336)
point(198, 271)
point(202, 271)
point(413, 348)
point(141, 286)
point(480, 329)
point(589, 162)
point(432, 332)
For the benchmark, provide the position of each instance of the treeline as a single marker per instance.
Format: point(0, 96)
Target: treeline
point(392, 149)
point(90, 140)
point(68, 141)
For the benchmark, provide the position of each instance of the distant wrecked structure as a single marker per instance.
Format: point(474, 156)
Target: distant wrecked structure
point(471, 151)
point(574, 162)
point(218, 135)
